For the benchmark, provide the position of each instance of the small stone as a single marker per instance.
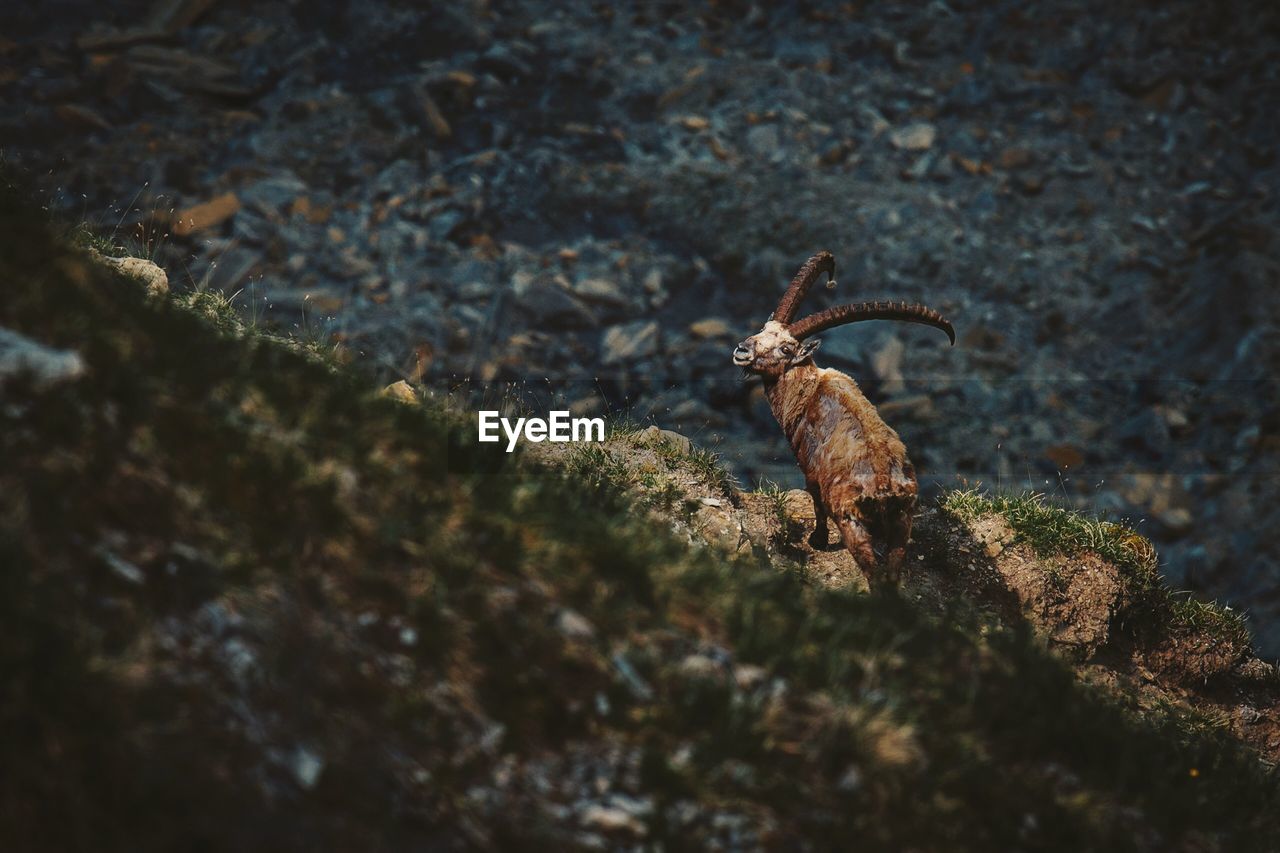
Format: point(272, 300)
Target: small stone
point(747, 676)
point(653, 282)
point(834, 152)
point(1065, 456)
point(919, 136)
point(711, 327)
point(719, 528)
point(654, 434)
point(554, 307)
point(574, 625)
point(82, 116)
point(851, 780)
point(887, 365)
point(608, 819)
point(918, 406)
point(765, 141)
point(1015, 158)
point(46, 366)
point(1031, 183)
point(400, 391)
point(122, 568)
point(602, 291)
point(151, 275)
point(699, 666)
point(306, 767)
point(208, 215)
point(629, 341)
point(1177, 519)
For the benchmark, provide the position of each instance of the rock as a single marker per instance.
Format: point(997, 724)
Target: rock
point(1178, 520)
point(602, 291)
point(232, 267)
point(919, 136)
point(919, 170)
point(764, 141)
point(720, 528)
point(151, 275)
point(306, 767)
point(850, 780)
point(1065, 456)
point(918, 406)
point(629, 341)
point(655, 435)
point(711, 327)
point(1015, 158)
point(574, 625)
point(748, 676)
point(82, 117)
point(444, 224)
point(21, 356)
point(834, 152)
point(653, 282)
point(993, 534)
point(887, 365)
point(401, 392)
point(122, 568)
point(610, 819)
point(1031, 183)
point(270, 196)
point(696, 414)
point(209, 214)
point(700, 666)
point(551, 306)
point(431, 113)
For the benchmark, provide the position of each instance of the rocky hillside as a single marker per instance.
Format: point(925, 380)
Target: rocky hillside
point(594, 201)
point(250, 603)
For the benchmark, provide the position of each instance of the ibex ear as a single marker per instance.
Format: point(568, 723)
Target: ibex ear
point(807, 348)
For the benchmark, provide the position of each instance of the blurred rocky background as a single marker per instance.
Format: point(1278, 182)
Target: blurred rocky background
point(589, 203)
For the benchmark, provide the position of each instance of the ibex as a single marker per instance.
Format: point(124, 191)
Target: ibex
point(854, 465)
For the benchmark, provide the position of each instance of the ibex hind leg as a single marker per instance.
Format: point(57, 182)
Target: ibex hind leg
point(857, 540)
point(897, 536)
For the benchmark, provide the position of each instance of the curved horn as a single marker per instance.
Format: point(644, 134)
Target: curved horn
point(859, 311)
point(808, 274)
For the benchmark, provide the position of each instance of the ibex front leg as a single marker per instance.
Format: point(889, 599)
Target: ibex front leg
point(818, 540)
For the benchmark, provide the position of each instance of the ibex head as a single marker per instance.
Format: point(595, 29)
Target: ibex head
point(782, 344)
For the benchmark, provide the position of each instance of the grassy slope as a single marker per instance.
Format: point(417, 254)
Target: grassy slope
point(324, 575)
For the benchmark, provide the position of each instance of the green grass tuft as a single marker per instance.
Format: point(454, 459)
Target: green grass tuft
point(1216, 620)
point(1051, 530)
point(213, 306)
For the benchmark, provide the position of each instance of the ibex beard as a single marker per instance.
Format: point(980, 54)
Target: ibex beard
point(855, 466)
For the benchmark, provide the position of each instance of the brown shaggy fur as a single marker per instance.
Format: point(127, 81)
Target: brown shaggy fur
point(855, 465)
